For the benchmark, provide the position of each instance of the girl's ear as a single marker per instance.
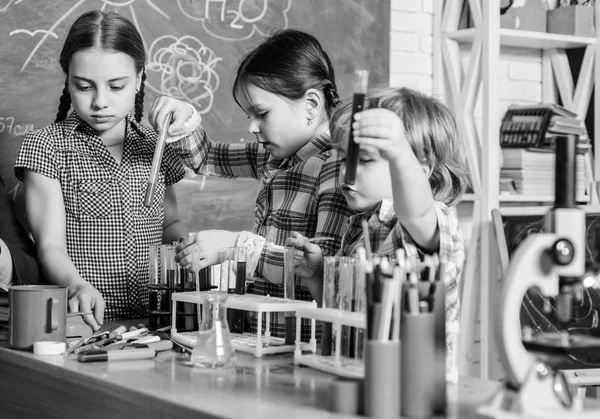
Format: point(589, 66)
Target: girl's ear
point(314, 103)
point(427, 169)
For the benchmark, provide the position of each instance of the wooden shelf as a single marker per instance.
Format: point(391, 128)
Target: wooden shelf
point(526, 39)
point(469, 197)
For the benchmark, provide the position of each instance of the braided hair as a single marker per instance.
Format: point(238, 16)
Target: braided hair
point(139, 99)
point(274, 66)
point(107, 31)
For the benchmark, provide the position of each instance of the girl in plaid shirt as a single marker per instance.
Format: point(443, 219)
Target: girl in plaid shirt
point(86, 175)
point(287, 88)
point(411, 168)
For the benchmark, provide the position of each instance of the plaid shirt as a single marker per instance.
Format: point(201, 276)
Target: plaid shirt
point(387, 235)
point(108, 229)
point(301, 193)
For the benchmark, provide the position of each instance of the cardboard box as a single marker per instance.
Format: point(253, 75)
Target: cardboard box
point(571, 20)
point(530, 17)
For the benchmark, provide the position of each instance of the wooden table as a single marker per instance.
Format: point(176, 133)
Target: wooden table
point(169, 387)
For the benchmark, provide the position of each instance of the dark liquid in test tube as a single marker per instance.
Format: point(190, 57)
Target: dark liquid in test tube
point(240, 278)
point(361, 78)
point(237, 316)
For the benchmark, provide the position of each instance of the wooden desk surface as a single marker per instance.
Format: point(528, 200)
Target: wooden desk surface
point(169, 387)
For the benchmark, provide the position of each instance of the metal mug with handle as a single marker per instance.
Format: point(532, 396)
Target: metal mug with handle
point(37, 313)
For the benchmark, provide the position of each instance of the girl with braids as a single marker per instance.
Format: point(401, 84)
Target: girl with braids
point(286, 87)
point(86, 175)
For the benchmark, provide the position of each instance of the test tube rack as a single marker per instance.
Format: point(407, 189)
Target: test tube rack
point(334, 364)
point(257, 344)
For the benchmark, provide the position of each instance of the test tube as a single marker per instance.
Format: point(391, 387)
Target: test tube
point(359, 305)
point(329, 286)
point(236, 321)
point(289, 286)
point(153, 285)
point(226, 274)
point(346, 281)
point(240, 271)
point(156, 162)
point(361, 81)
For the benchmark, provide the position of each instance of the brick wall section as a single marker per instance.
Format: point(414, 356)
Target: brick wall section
point(411, 39)
point(411, 57)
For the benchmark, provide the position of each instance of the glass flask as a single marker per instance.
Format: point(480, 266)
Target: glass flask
point(213, 346)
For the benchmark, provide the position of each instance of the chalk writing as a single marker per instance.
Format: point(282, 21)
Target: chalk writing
point(236, 20)
point(186, 70)
point(7, 124)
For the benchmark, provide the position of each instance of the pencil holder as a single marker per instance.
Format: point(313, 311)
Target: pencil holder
point(418, 366)
point(382, 379)
point(346, 396)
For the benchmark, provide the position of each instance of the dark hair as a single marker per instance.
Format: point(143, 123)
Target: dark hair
point(107, 31)
point(288, 63)
point(430, 129)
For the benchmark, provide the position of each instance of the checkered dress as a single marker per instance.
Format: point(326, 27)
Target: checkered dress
point(301, 193)
point(387, 235)
point(109, 230)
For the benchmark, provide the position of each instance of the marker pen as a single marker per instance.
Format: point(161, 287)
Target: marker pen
point(361, 79)
point(100, 355)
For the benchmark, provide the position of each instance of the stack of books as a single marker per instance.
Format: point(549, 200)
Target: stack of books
point(527, 139)
point(530, 171)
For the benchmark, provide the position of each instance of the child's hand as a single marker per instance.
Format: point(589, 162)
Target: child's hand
point(311, 264)
point(86, 298)
point(202, 249)
point(382, 129)
point(180, 113)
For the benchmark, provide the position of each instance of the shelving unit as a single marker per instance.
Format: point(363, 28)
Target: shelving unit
point(460, 86)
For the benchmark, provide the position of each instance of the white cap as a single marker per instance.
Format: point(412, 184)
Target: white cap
point(49, 348)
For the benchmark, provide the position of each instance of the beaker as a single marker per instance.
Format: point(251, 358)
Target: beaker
point(213, 346)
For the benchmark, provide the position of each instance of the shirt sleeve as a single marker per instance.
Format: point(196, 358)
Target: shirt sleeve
point(172, 166)
point(6, 267)
point(37, 153)
point(452, 258)
point(333, 210)
point(206, 157)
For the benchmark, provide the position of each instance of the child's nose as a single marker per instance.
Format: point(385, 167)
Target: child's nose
point(253, 127)
point(100, 99)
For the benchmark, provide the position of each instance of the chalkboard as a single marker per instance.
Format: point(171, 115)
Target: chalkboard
point(512, 227)
point(216, 34)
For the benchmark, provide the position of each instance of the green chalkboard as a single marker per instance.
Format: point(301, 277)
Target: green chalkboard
point(215, 35)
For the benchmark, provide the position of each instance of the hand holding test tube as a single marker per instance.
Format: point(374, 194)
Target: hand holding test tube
point(361, 81)
point(156, 161)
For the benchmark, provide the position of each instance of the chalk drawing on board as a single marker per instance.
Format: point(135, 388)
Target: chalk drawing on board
point(52, 30)
point(239, 19)
point(186, 70)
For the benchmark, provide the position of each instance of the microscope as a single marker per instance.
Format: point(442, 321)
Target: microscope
point(554, 262)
